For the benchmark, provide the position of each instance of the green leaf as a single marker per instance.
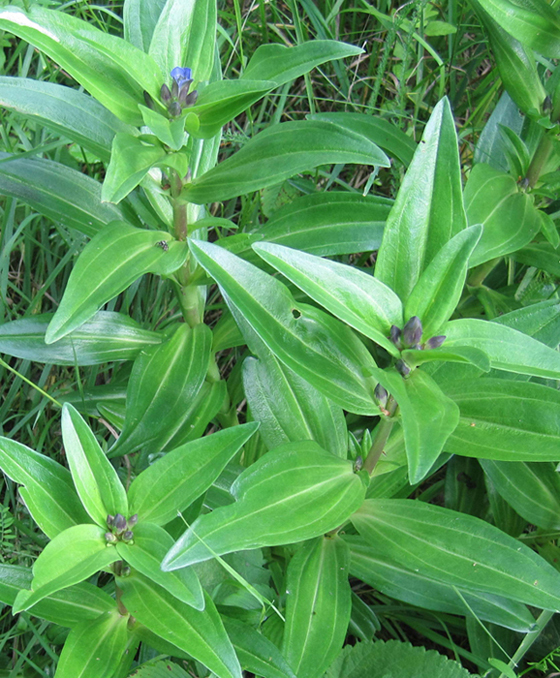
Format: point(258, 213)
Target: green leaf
point(290, 409)
point(386, 135)
point(48, 490)
point(62, 194)
point(507, 348)
point(541, 255)
point(282, 64)
point(71, 557)
point(175, 480)
point(293, 493)
point(140, 18)
point(415, 588)
point(110, 262)
point(67, 111)
point(457, 549)
point(160, 668)
point(145, 554)
point(458, 354)
point(353, 296)
point(185, 35)
point(505, 419)
point(312, 344)
point(131, 159)
point(438, 290)
point(169, 132)
point(94, 648)
point(280, 152)
point(164, 381)
point(428, 209)
point(509, 218)
point(533, 22)
point(533, 490)
point(97, 482)
point(67, 607)
point(198, 633)
point(112, 70)
point(516, 64)
point(329, 223)
point(490, 145)
point(540, 321)
point(107, 337)
point(384, 659)
point(318, 606)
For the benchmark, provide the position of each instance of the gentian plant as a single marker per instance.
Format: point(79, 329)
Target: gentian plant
point(229, 521)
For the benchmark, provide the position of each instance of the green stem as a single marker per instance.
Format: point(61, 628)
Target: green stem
point(480, 273)
point(120, 604)
point(180, 222)
point(383, 431)
point(539, 160)
point(542, 621)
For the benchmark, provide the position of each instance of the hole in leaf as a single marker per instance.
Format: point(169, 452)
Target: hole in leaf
point(296, 313)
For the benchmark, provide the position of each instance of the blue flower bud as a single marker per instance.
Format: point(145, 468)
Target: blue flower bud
point(412, 332)
point(110, 538)
point(119, 523)
point(395, 336)
point(175, 109)
point(402, 368)
point(436, 342)
point(110, 520)
point(165, 93)
point(149, 101)
point(128, 536)
point(131, 522)
point(181, 75)
point(381, 395)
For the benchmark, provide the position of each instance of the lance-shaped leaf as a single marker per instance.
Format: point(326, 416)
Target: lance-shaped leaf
point(145, 554)
point(457, 549)
point(48, 491)
point(68, 607)
point(110, 262)
point(508, 349)
point(61, 193)
point(280, 152)
point(185, 35)
point(283, 64)
point(385, 134)
point(540, 321)
point(352, 295)
point(255, 651)
point(439, 288)
point(318, 606)
point(428, 417)
point(329, 223)
point(533, 490)
point(165, 379)
point(71, 113)
point(71, 557)
point(414, 587)
point(312, 344)
point(509, 218)
point(131, 160)
point(175, 480)
point(505, 419)
point(108, 336)
point(534, 23)
point(112, 70)
point(516, 64)
point(428, 209)
point(140, 18)
point(290, 409)
point(97, 482)
point(457, 354)
point(293, 493)
point(94, 648)
point(198, 633)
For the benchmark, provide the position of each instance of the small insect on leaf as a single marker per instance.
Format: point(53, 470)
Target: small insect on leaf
point(163, 244)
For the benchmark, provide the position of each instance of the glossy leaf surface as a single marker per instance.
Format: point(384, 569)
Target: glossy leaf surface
point(48, 490)
point(165, 379)
point(102, 271)
point(140, 18)
point(97, 482)
point(309, 342)
point(293, 493)
point(145, 553)
point(318, 606)
point(353, 296)
point(280, 152)
point(94, 648)
point(457, 549)
point(199, 634)
point(428, 209)
point(106, 337)
point(173, 482)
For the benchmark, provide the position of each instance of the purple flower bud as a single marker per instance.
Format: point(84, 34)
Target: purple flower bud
point(358, 464)
point(412, 331)
point(381, 395)
point(395, 336)
point(110, 538)
point(110, 520)
point(175, 109)
point(131, 522)
point(402, 368)
point(128, 536)
point(119, 523)
point(184, 91)
point(165, 93)
point(436, 342)
point(191, 99)
point(149, 101)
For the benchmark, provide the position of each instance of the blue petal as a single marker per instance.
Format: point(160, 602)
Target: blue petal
point(180, 75)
